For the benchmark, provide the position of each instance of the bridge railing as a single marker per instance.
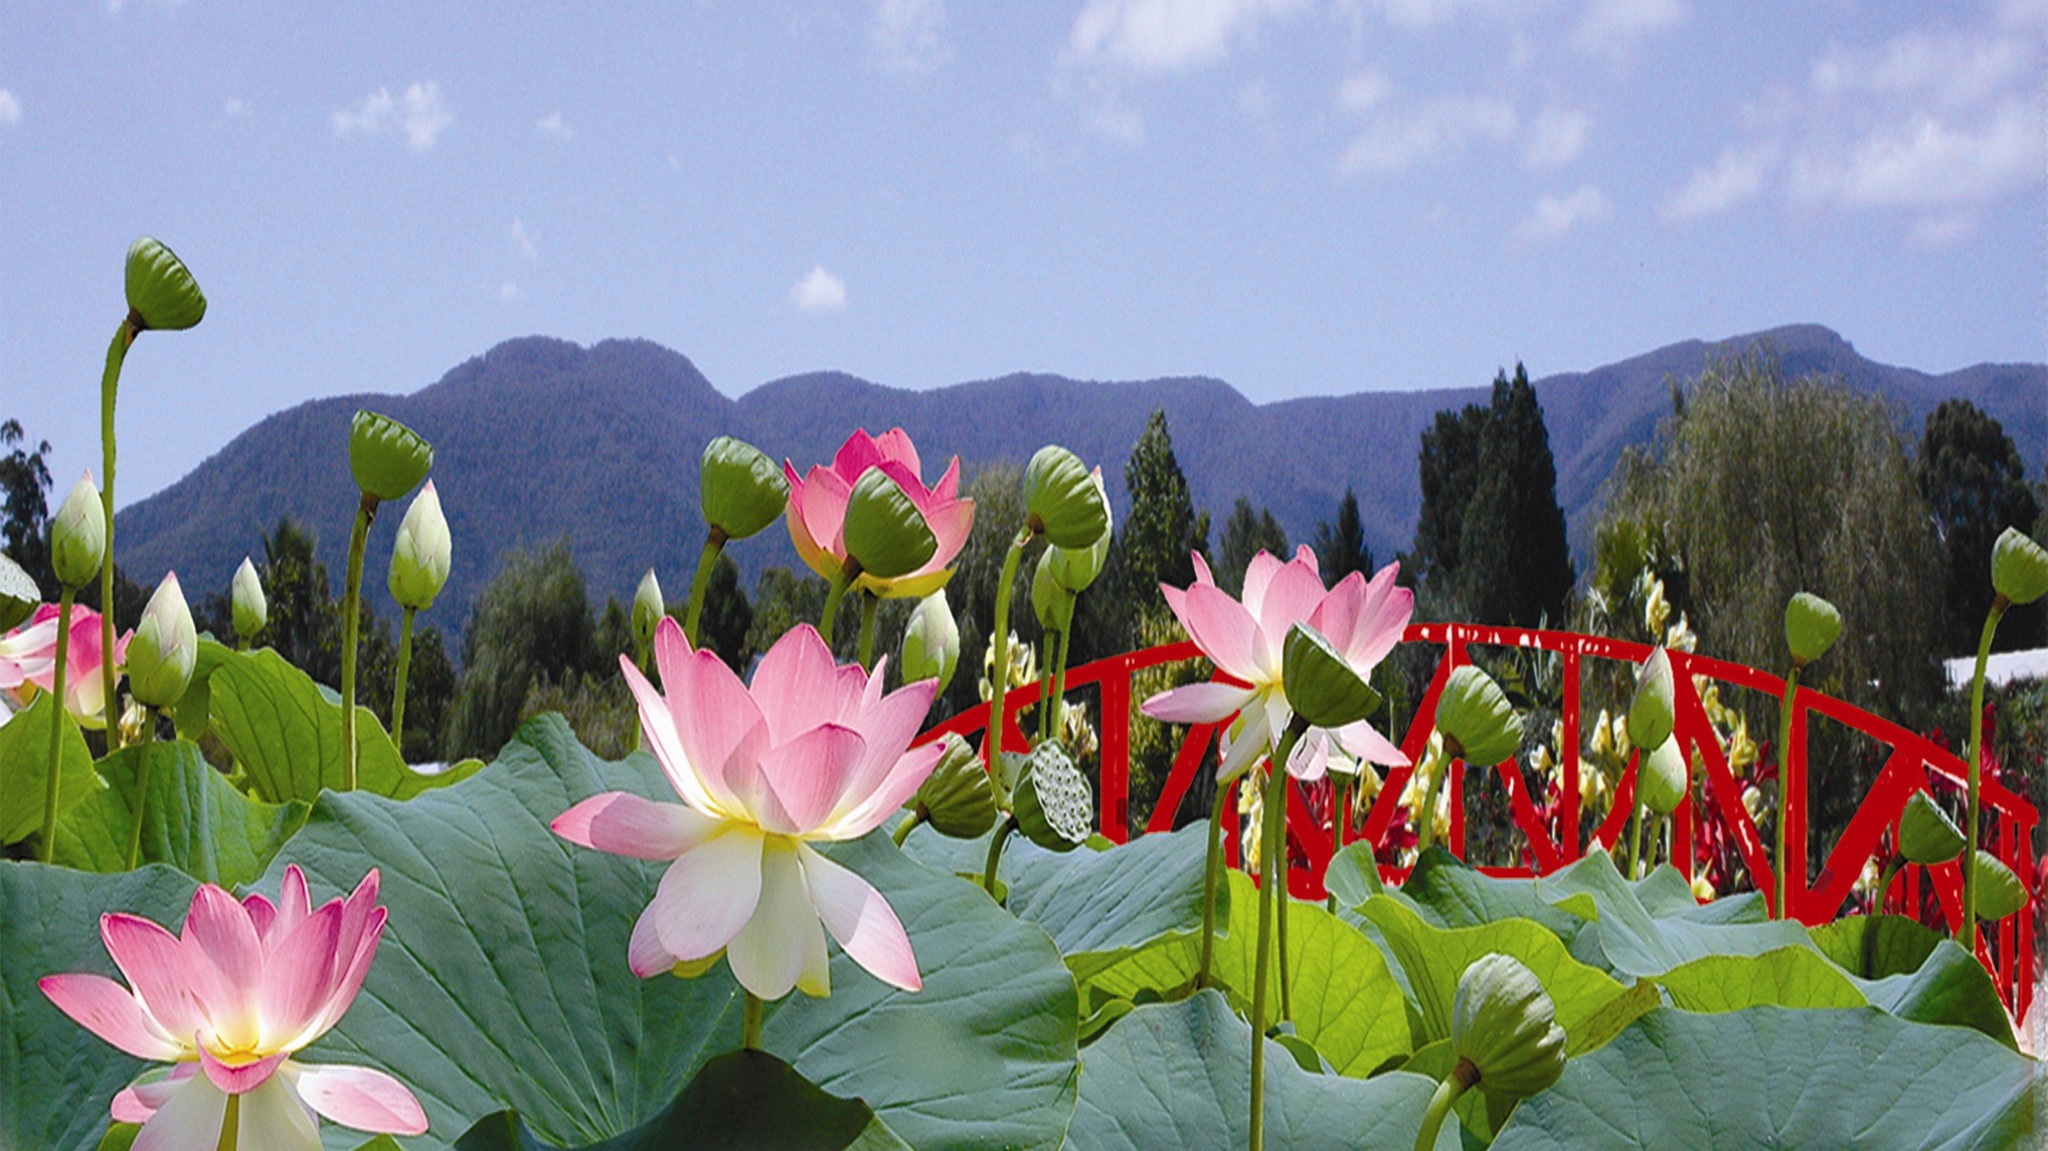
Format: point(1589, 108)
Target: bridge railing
point(2006, 948)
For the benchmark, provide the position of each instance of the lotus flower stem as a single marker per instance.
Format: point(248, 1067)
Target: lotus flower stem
point(1340, 822)
point(110, 383)
point(1270, 892)
point(1278, 877)
point(1635, 836)
point(231, 1124)
point(714, 543)
point(141, 790)
point(398, 687)
point(351, 611)
point(833, 593)
point(1056, 708)
point(47, 848)
point(1966, 927)
point(1447, 1092)
point(995, 855)
point(868, 604)
point(1784, 793)
point(1212, 875)
point(904, 829)
point(999, 662)
point(750, 1022)
point(1435, 764)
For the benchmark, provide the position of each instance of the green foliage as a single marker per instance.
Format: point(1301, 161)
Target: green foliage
point(1972, 477)
point(728, 617)
point(194, 820)
point(532, 623)
point(1340, 546)
point(25, 505)
point(1245, 534)
point(25, 768)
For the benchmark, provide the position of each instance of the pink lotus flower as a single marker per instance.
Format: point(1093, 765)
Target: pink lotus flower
point(811, 751)
point(228, 1002)
point(1362, 620)
point(28, 655)
point(817, 510)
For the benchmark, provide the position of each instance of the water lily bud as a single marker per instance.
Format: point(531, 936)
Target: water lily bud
point(1661, 777)
point(165, 646)
point(957, 798)
point(931, 642)
point(1999, 892)
point(1811, 627)
point(245, 596)
point(1926, 834)
point(1053, 603)
point(1505, 1026)
point(19, 595)
point(1076, 568)
point(648, 608)
point(419, 560)
point(1323, 689)
point(161, 292)
point(1052, 803)
point(387, 458)
point(1650, 713)
point(1062, 499)
point(884, 532)
point(78, 535)
point(1478, 723)
point(740, 490)
point(2019, 567)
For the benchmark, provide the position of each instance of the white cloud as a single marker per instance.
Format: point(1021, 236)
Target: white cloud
point(1397, 138)
point(552, 124)
point(1556, 137)
point(1927, 161)
point(904, 36)
point(508, 291)
point(1112, 119)
point(1428, 13)
point(819, 291)
point(10, 109)
point(1554, 215)
point(419, 112)
point(1363, 91)
point(1735, 177)
point(1943, 231)
point(1947, 70)
point(522, 242)
point(1616, 27)
point(1167, 35)
point(236, 109)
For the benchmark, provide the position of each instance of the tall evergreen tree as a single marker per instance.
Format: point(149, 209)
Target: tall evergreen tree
point(1516, 564)
point(1162, 530)
point(1245, 534)
point(25, 506)
point(1973, 479)
point(1340, 547)
point(1449, 470)
point(532, 623)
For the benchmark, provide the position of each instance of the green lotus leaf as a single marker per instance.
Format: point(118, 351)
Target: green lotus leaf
point(25, 768)
point(195, 820)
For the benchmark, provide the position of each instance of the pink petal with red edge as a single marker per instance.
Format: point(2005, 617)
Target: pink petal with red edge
point(715, 717)
point(1176, 602)
point(861, 920)
point(352, 968)
point(644, 953)
point(709, 893)
point(894, 446)
point(1257, 574)
point(238, 1078)
point(823, 510)
point(911, 483)
point(887, 726)
point(951, 523)
point(1388, 608)
point(808, 773)
point(299, 978)
point(153, 960)
point(1337, 616)
point(1291, 597)
point(1202, 569)
point(111, 1012)
point(624, 824)
point(796, 686)
point(221, 928)
point(294, 901)
point(659, 724)
point(948, 487)
point(1198, 703)
point(359, 1097)
point(908, 774)
point(263, 914)
point(1224, 631)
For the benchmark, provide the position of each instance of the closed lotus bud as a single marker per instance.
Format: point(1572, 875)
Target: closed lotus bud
point(1076, 568)
point(2019, 567)
point(165, 646)
point(884, 531)
point(740, 490)
point(78, 535)
point(1323, 689)
point(1999, 892)
point(1661, 777)
point(387, 458)
point(931, 642)
point(1478, 723)
point(19, 595)
point(1053, 603)
point(957, 798)
point(419, 560)
point(1504, 1026)
point(1926, 834)
point(161, 292)
point(648, 608)
point(1052, 803)
point(1062, 500)
point(1650, 713)
point(245, 596)
point(1811, 627)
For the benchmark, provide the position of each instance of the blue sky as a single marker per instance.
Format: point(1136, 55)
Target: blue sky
point(1296, 196)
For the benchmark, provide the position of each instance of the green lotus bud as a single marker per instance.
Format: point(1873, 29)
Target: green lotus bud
point(1052, 602)
point(245, 595)
point(884, 532)
point(166, 645)
point(648, 608)
point(1926, 834)
point(740, 490)
point(1811, 627)
point(1062, 500)
point(161, 292)
point(1478, 723)
point(1076, 568)
point(1999, 892)
point(388, 458)
point(420, 558)
point(931, 642)
point(1661, 777)
point(1052, 803)
point(78, 535)
point(2019, 567)
point(1650, 713)
point(19, 595)
point(957, 798)
point(1504, 1026)
point(1321, 687)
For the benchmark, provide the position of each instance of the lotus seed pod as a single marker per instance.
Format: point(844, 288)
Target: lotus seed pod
point(1052, 603)
point(885, 533)
point(1650, 713)
point(387, 458)
point(648, 608)
point(1062, 499)
point(1076, 568)
point(1323, 689)
point(19, 595)
point(420, 559)
point(164, 649)
point(1505, 1026)
point(740, 490)
point(931, 642)
point(1052, 802)
point(1926, 834)
point(2019, 567)
point(161, 292)
point(1999, 892)
point(1661, 777)
point(1478, 723)
point(78, 535)
point(1811, 627)
point(957, 798)
point(245, 597)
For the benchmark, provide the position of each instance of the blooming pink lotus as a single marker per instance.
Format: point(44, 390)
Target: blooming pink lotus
point(810, 751)
point(1362, 620)
point(228, 1002)
point(28, 656)
point(817, 510)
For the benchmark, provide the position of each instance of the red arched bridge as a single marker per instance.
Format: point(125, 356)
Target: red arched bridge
point(2006, 947)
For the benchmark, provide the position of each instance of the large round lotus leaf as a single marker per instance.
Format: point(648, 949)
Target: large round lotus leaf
point(884, 531)
point(161, 292)
point(387, 458)
point(740, 489)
